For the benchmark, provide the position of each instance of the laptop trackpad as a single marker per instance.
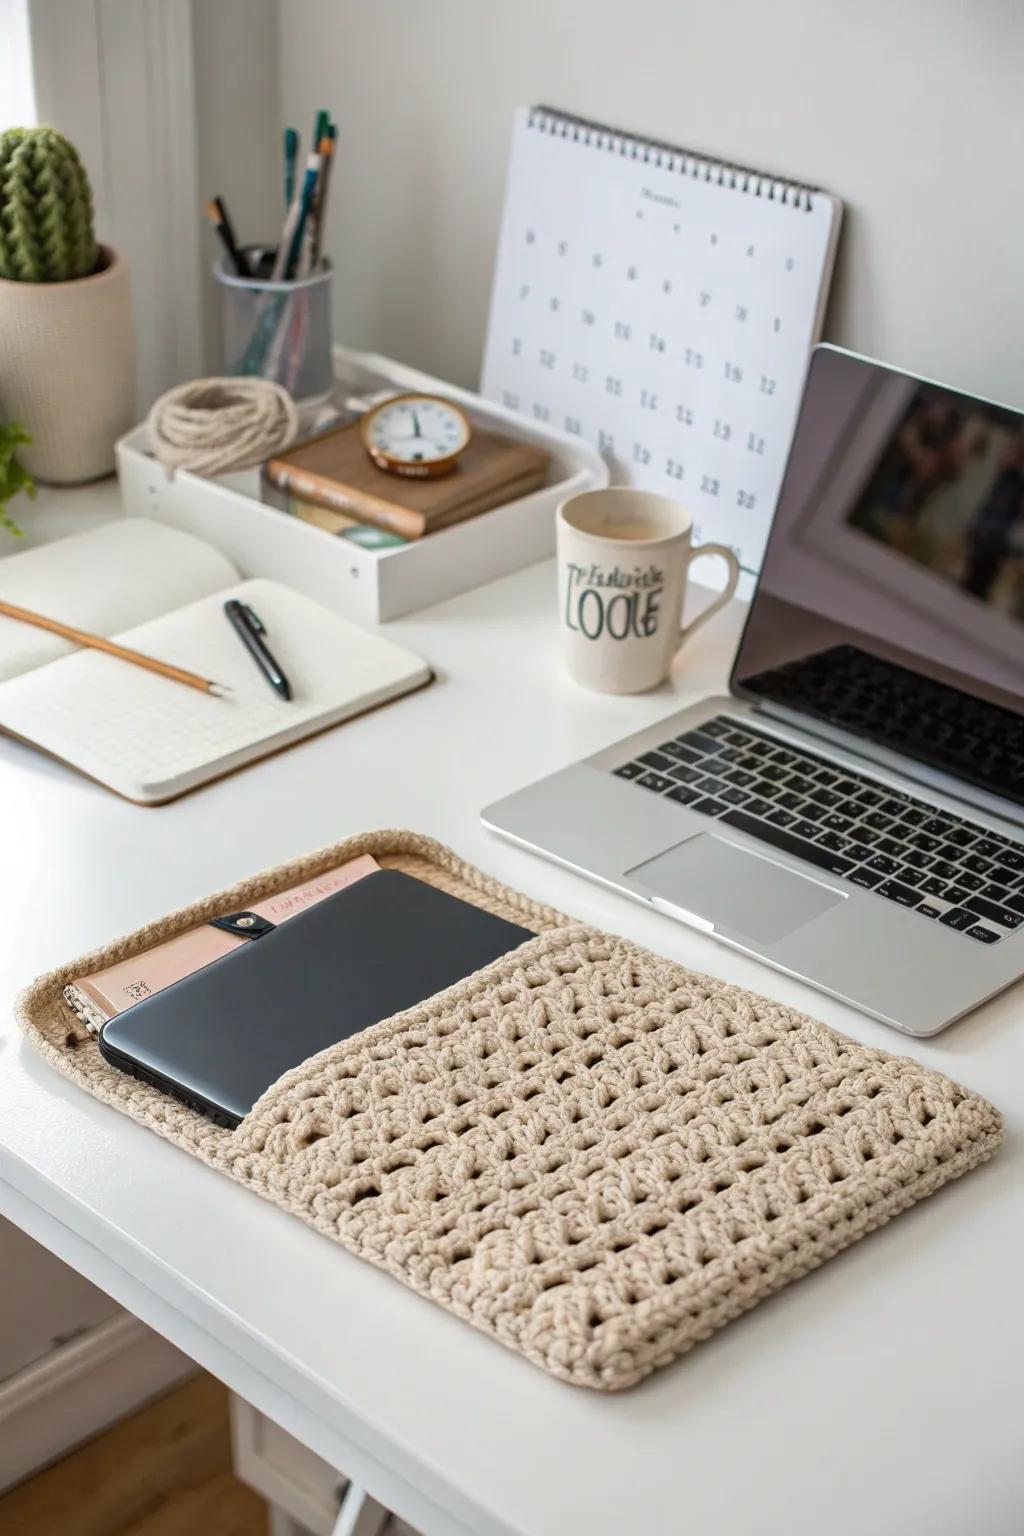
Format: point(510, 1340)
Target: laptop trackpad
point(734, 889)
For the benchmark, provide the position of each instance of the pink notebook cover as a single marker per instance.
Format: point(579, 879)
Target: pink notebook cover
point(111, 991)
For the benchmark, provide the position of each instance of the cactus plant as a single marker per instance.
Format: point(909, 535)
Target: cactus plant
point(46, 230)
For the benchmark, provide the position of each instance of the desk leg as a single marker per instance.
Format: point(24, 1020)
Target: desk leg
point(360, 1514)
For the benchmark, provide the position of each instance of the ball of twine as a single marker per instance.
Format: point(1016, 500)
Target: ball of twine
point(212, 425)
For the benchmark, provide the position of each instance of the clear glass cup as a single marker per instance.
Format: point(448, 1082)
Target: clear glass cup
point(280, 331)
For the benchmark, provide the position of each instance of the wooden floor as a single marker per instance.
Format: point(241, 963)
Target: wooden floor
point(166, 1471)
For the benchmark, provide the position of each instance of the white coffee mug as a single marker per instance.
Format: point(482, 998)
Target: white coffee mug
point(623, 560)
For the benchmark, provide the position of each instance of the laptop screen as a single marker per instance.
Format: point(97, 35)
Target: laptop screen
point(891, 599)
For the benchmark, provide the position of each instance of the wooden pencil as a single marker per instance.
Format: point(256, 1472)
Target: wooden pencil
point(111, 648)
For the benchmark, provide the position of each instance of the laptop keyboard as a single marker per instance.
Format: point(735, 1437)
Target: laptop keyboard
point(947, 869)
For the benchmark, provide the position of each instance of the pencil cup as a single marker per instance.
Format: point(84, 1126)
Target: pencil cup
point(279, 331)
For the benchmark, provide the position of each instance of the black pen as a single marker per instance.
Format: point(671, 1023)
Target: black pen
point(250, 629)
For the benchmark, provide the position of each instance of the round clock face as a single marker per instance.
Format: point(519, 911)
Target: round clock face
point(417, 435)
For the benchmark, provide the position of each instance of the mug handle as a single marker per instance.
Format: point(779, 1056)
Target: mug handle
point(723, 597)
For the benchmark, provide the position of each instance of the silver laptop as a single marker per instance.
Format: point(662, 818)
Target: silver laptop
point(853, 812)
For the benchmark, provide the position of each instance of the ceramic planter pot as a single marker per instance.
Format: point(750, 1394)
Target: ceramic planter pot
point(67, 369)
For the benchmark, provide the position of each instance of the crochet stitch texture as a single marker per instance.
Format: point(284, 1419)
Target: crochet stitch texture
point(585, 1150)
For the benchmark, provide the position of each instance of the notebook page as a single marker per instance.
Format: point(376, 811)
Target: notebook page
point(149, 738)
point(105, 580)
point(662, 307)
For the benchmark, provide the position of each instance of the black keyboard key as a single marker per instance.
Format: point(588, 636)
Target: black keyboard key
point(656, 760)
point(884, 865)
point(733, 796)
point(1016, 904)
point(709, 807)
point(682, 754)
point(759, 807)
point(914, 877)
point(894, 891)
point(801, 785)
point(699, 742)
point(834, 843)
point(865, 834)
point(997, 893)
point(682, 773)
point(913, 816)
point(1011, 858)
point(976, 865)
point(938, 826)
point(890, 846)
point(869, 797)
point(869, 878)
point(957, 918)
point(858, 850)
point(924, 841)
point(727, 755)
point(785, 758)
point(984, 848)
point(740, 777)
point(893, 807)
point(827, 798)
point(967, 880)
point(983, 935)
point(993, 913)
point(878, 821)
point(826, 777)
point(927, 910)
point(762, 748)
point(683, 794)
point(773, 774)
point(805, 828)
point(932, 887)
point(782, 818)
point(709, 785)
point(962, 836)
point(957, 894)
point(629, 771)
point(847, 788)
point(812, 811)
point(916, 859)
point(836, 822)
point(948, 851)
point(789, 801)
point(738, 739)
point(715, 728)
point(655, 781)
point(777, 837)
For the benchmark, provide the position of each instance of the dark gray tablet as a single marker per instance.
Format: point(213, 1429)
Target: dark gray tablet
point(218, 1038)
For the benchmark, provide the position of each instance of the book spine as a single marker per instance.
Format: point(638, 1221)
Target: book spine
point(306, 486)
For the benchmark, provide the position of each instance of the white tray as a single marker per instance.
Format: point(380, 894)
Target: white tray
point(369, 586)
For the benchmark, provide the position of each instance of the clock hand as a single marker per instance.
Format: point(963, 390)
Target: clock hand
point(415, 423)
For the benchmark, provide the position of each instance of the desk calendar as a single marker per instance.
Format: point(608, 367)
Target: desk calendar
point(662, 306)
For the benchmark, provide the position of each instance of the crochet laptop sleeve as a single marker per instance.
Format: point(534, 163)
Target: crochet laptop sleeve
point(585, 1150)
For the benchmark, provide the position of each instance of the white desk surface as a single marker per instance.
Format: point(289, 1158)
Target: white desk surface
point(881, 1393)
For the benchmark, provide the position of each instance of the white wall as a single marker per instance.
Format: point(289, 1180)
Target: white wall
point(911, 110)
point(17, 86)
point(238, 133)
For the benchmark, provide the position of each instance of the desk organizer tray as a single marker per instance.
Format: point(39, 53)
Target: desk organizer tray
point(587, 1151)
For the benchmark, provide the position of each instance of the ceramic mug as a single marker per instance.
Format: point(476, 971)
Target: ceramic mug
point(623, 560)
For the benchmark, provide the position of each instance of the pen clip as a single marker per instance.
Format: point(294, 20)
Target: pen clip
point(255, 622)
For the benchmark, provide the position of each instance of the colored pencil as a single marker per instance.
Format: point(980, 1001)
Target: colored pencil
point(101, 643)
point(217, 213)
point(291, 160)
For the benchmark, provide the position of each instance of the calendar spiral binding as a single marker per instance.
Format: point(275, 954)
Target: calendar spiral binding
point(668, 157)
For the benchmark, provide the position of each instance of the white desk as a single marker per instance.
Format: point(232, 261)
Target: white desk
point(881, 1394)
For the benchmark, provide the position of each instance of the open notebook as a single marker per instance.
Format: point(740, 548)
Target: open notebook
point(162, 592)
